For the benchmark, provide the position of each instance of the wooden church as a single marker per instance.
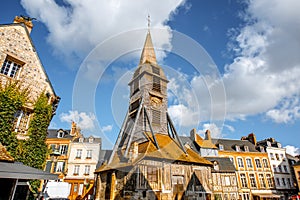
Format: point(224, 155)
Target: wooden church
point(149, 160)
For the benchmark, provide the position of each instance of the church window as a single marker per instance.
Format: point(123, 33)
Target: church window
point(155, 116)
point(155, 70)
point(21, 121)
point(152, 174)
point(156, 84)
point(10, 67)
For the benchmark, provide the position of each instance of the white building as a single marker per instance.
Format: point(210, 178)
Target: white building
point(280, 167)
point(83, 159)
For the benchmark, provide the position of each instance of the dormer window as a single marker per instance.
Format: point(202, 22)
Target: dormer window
point(60, 134)
point(237, 148)
point(279, 145)
point(216, 166)
point(221, 147)
point(91, 140)
point(261, 149)
point(246, 148)
point(268, 143)
point(80, 139)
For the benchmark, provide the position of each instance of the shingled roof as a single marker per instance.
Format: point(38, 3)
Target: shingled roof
point(225, 165)
point(169, 151)
point(229, 144)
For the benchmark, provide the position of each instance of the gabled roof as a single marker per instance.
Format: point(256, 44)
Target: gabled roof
point(52, 133)
point(34, 49)
point(225, 165)
point(229, 144)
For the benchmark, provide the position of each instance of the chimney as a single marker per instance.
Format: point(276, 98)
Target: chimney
point(252, 138)
point(73, 129)
point(207, 135)
point(27, 21)
point(193, 133)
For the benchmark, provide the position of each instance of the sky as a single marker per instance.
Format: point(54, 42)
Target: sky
point(233, 66)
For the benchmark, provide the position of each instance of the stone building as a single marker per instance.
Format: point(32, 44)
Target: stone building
point(280, 166)
point(149, 160)
point(20, 62)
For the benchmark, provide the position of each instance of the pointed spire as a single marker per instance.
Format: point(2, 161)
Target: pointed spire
point(148, 53)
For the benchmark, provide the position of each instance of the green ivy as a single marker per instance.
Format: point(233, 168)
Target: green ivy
point(33, 151)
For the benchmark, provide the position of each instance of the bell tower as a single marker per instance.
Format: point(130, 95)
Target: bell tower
point(147, 114)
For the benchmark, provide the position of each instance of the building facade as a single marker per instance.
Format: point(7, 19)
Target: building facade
point(253, 171)
point(224, 184)
point(20, 63)
point(82, 162)
point(149, 160)
point(58, 141)
point(284, 182)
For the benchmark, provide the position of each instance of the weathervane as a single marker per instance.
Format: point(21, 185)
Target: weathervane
point(27, 18)
point(149, 22)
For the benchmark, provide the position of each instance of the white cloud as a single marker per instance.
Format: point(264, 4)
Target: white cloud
point(76, 27)
point(86, 121)
point(287, 112)
point(107, 128)
point(263, 77)
point(215, 131)
point(294, 151)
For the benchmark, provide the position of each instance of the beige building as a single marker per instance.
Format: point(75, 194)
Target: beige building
point(20, 62)
point(82, 162)
point(149, 160)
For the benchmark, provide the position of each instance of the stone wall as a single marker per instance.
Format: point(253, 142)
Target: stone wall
point(15, 44)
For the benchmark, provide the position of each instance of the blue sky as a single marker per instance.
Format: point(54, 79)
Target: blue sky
point(247, 78)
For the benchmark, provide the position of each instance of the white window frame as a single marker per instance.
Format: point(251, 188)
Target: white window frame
point(89, 154)
point(59, 166)
point(240, 162)
point(12, 66)
point(76, 170)
point(78, 153)
point(87, 169)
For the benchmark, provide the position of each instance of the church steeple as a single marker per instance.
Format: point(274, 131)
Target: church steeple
point(148, 53)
